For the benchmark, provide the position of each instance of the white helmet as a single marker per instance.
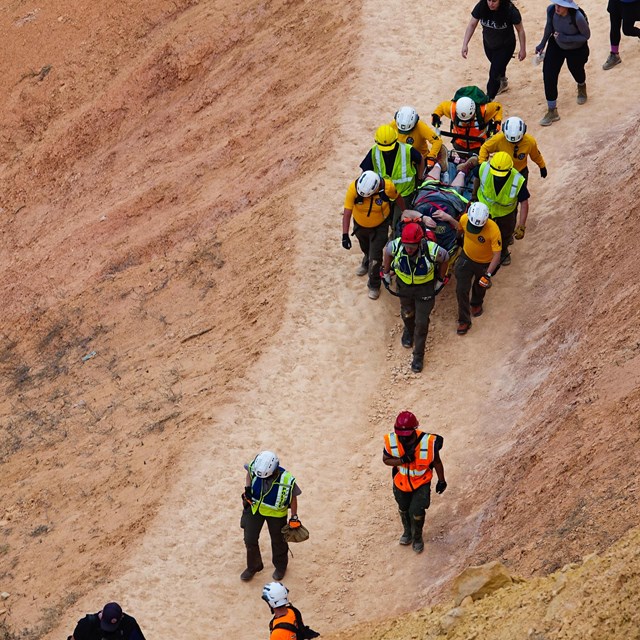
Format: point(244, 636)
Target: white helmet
point(275, 594)
point(264, 464)
point(514, 129)
point(465, 108)
point(478, 214)
point(368, 183)
point(406, 119)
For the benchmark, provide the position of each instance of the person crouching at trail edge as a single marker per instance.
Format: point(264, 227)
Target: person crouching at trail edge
point(369, 199)
point(413, 454)
point(270, 491)
point(287, 623)
point(413, 259)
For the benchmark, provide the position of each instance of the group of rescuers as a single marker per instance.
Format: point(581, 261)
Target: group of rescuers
point(271, 497)
point(411, 186)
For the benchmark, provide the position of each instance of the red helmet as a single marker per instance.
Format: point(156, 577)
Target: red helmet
point(412, 233)
point(406, 423)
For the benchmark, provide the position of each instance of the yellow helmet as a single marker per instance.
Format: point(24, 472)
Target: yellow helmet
point(386, 137)
point(501, 164)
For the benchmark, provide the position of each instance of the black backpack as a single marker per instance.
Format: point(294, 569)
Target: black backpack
point(572, 13)
point(299, 628)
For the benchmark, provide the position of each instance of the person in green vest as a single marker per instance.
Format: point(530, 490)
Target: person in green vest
point(270, 491)
point(502, 188)
point(396, 161)
point(420, 266)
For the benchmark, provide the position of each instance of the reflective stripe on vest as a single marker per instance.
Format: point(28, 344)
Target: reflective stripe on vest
point(275, 503)
point(403, 173)
point(503, 203)
point(423, 270)
point(408, 476)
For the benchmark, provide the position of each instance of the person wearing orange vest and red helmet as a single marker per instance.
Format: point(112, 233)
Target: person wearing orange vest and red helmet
point(413, 454)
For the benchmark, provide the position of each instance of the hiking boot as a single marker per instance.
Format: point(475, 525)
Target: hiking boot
point(278, 574)
point(363, 269)
point(506, 261)
point(476, 310)
point(247, 574)
point(407, 339)
point(504, 86)
point(550, 117)
point(417, 364)
point(469, 165)
point(374, 294)
point(407, 536)
point(582, 93)
point(418, 542)
point(612, 61)
point(463, 327)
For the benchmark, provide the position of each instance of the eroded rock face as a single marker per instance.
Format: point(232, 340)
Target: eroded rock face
point(480, 581)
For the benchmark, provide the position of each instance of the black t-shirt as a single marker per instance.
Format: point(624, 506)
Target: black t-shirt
point(89, 629)
point(497, 26)
point(389, 158)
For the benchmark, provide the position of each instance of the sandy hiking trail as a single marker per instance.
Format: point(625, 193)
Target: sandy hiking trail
point(327, 387)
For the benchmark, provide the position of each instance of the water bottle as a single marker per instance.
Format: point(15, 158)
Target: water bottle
point(538, 58)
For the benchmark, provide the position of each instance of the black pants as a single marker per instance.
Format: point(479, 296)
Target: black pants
point(499, 59)
point(372, 241)
point(252, 525)
point(416, 305)
point(553, 61)
point(623, 16)
point(507, 225)
point(468, 273)
point(397, 212)
point(415, 502)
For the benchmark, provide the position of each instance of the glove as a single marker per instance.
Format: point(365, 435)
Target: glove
point(493, 128)
point(485, 281)
point(308, 632)
point(386, 276)
point(543, 172)
point(435, 120)
point(294, 522)
point(441, 485)
point(346, 241)
point(519, 232)
point(408, 458)
point(440, 283)
point(246, 498)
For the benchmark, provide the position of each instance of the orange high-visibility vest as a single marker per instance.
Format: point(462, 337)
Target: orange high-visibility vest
point(470, 128)
point(413, 475)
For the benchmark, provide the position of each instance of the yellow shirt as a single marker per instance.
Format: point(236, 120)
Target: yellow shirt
point(422, 137)
point(481, 246)
point(517, 150)
point(371, 211)
point(492, 110)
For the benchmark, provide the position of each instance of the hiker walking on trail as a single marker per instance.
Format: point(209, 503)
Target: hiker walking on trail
point(623, 14)
point(368, 201)
point(498, 19)
point(396, 161)
point(565, 37)
point(287, 623)
point(111, 622)
point(270, 491)
point(502, 188)
point(414, 259)
point(520, 145)
point(420, 135)
point(477, 264)
point(413, 455)
point(472, 116)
